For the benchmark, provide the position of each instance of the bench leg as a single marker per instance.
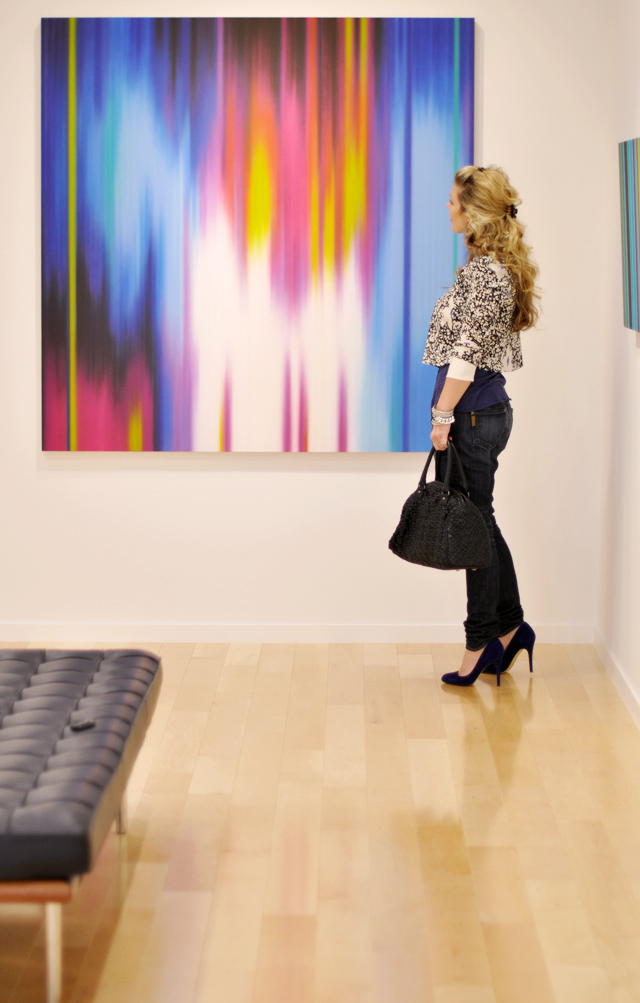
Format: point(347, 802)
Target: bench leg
point(53, 923)
point(122, 821)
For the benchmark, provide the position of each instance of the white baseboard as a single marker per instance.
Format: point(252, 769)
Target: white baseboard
point(287, 633)
point(624, 686)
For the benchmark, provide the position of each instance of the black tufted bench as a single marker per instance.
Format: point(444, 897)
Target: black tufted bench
point(71, 726)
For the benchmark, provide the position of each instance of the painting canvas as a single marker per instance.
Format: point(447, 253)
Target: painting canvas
point(244, 229)
point(629, 153)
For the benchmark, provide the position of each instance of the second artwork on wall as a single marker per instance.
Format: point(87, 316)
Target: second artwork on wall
point(244, 229)
point(629, 154)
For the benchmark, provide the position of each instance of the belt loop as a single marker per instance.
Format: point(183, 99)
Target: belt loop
point(473, 419)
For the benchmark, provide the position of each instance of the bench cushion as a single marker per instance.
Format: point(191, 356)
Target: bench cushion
point(71, 725)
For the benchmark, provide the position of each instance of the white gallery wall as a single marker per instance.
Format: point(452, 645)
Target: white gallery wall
point(294, 547)
point(618, 633)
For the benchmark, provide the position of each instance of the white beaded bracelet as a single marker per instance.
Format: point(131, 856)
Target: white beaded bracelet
point(441, 417)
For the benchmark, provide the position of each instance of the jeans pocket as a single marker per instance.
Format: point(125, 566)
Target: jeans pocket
point(490, 427)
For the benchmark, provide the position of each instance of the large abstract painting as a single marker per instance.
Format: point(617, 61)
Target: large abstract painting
point(244, 229)
point(629, 153)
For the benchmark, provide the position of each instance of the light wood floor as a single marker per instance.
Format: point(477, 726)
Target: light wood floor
point(331, 824)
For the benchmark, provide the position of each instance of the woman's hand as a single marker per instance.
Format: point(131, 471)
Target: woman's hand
point(439, 435)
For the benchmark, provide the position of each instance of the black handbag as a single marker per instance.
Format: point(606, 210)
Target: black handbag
point(440, 526)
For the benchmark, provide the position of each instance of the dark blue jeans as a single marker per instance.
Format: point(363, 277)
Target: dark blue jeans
point(493, 601)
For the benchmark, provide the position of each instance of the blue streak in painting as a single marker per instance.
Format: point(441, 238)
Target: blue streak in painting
point(54, 182)
point(422, 255)
point(406, 320)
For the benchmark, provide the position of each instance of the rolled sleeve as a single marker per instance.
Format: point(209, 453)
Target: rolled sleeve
point(461, 370)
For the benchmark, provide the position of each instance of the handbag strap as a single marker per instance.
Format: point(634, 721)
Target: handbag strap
point(423, 476)
point(463, 477)
point(451, 452)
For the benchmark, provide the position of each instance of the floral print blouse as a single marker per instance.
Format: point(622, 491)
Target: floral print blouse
point(472, 321)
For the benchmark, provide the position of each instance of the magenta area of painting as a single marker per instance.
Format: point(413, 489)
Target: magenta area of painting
point(244, 229)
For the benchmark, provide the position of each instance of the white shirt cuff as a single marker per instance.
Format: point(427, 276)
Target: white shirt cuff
point(461, 370)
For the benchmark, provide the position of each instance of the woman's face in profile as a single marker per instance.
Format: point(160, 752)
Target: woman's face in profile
point(456, 213)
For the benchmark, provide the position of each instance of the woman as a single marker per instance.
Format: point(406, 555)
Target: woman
point(474, 338)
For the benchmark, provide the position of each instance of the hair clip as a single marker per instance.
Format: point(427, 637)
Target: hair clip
point(481, 169)
point(513, 212)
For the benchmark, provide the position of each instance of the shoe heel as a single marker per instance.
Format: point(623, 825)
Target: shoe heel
point(497, 667)
point(531, 640)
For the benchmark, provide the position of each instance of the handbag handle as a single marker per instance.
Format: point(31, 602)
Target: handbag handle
point(451, 451)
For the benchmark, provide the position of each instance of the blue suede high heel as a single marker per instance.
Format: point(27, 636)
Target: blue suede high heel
point(523, 640)
point(492, 655)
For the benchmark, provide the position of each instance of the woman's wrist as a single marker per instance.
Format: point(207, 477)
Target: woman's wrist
point(441, 417)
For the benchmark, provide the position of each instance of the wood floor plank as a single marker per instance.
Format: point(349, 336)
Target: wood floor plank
point(292, 883)
point(308, 698)
point(286, 962)
point(421, 703)
point(344, 953)
point(455, 942)
point(199, 684)
point(345, 682)
point(344, 752)
point(398, 909)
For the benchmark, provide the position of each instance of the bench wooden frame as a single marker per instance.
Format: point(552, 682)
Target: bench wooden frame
point(53, 895)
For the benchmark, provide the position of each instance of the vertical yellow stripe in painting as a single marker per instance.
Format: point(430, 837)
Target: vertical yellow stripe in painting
point(71, 152)
point(350, 169)
point(634, 219)
point(312, 148)
point(135, 428)
point(260, 197)
point(363, 123)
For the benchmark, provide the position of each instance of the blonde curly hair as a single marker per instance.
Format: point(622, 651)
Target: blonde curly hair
point(490, 202)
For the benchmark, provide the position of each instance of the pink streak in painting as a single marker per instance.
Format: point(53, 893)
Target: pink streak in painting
point(343, 420)
point(54, 403)
point(233, 155)
point(303, 417)
point(291, 234)
point(211, 175)
point(311, 114)
point(183, 400)
point(286, 403)
point(103, 416)
point(369, 235)
point(226, 415)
